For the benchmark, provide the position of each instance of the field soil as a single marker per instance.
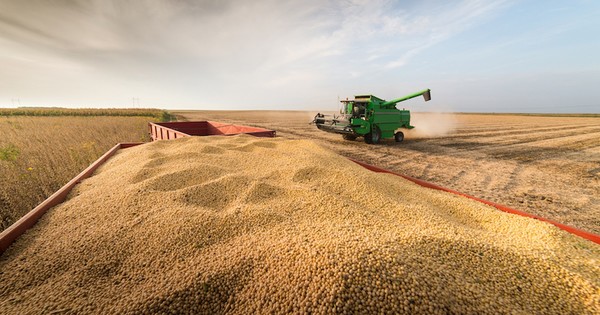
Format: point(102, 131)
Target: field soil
point(544, 165)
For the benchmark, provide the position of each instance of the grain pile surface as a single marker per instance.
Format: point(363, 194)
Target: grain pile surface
point(240, 225)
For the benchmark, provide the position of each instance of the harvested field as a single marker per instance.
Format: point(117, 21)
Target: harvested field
point(242, 225)
point(544, 165)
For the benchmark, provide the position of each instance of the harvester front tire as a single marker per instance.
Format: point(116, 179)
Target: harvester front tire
point(349, 137)
point(399, 136)
point(374, 136)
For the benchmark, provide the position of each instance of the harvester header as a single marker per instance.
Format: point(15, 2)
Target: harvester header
point(370, 117)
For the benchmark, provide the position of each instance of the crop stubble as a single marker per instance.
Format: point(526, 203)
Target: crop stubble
point(244, 225)
point(544, 165)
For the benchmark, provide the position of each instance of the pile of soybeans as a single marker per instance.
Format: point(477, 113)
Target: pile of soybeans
point(244, 225)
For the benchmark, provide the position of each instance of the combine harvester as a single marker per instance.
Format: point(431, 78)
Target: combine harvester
point(369, 117)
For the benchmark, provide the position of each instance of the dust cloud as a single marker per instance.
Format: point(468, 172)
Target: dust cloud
point(431, 124)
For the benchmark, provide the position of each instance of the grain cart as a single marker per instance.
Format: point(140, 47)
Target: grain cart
point(370, 117)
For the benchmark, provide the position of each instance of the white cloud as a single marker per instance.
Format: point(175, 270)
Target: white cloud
point(445, 22)
point(192, 49)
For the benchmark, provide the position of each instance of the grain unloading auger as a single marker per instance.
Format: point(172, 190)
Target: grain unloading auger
point(370, 117)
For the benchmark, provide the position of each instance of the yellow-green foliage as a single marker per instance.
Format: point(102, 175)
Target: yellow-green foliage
point(40, 154)
point(9, 153)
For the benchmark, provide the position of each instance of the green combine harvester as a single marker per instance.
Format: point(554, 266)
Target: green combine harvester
point(370, 117)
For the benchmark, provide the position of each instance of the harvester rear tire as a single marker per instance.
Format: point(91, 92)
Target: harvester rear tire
point(349, 137)
point(399, 136)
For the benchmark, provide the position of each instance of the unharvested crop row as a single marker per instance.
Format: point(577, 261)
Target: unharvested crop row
point(34, 111)
point(40, 154)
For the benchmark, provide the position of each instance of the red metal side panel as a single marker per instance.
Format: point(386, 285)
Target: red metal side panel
point(587, 235)
point(192, 128)
point(160, 132)
point(27, 221)
point(175, 130)
point(214, 128)
point(230, 129)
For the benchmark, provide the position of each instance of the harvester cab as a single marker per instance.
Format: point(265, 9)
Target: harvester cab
point(369, 117)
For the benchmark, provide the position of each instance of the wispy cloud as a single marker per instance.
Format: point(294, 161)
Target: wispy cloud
point(191, 48)
point(444, 22)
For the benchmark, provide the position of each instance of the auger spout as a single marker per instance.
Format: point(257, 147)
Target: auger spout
point(426, 94)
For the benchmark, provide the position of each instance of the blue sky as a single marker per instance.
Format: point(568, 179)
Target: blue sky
point(476, 56)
